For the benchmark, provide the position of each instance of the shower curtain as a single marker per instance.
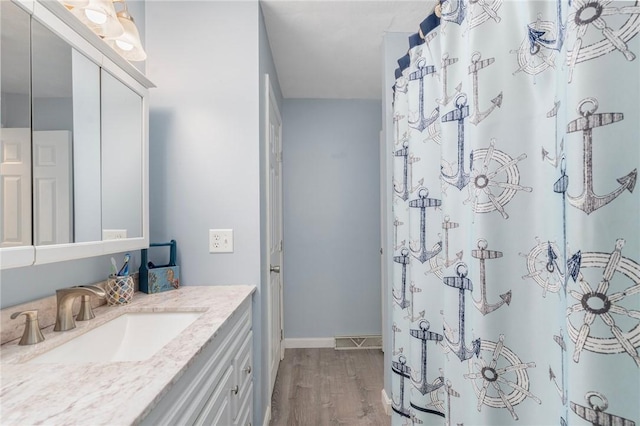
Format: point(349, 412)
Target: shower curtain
point(516, 243)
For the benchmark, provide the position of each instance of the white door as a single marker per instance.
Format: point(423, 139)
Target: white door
point(52, 219)
point(383, 235)
point(274, 233)
point(15, 187)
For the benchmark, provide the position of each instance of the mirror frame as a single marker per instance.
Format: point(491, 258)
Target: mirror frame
point(53, 15)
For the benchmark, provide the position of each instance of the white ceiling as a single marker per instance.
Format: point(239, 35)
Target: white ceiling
point(332, 49)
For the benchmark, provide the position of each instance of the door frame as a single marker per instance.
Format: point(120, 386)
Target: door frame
point(270, 100)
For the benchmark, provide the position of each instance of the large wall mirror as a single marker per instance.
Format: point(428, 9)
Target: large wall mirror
point(73, 154)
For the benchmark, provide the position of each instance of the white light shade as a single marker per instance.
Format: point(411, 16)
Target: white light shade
point(128, 45)
point(100, 17)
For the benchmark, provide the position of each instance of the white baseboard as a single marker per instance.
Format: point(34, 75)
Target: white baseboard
point(267, 416)
point(386, 402)
point(313, 342)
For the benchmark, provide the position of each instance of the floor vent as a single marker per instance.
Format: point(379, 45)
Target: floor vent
point(358, 342)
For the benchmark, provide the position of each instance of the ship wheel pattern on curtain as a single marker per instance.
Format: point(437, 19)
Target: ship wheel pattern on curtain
point(516, 230)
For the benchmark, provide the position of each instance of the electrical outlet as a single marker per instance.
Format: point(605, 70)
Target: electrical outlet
point(114, 234)
point(220, 240)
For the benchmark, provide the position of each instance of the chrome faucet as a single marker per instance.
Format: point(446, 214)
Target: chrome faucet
point(65, 298)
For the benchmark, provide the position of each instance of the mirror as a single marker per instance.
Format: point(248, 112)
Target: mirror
point(86, 149)
point(15, 123)
point(65, 141)
point(122, 151)
point(51, 138)
point(73, 154)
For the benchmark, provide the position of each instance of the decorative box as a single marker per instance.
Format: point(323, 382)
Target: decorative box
point(155, 279)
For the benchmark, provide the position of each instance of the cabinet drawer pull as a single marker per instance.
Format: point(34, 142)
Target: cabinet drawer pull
point(248, 370)
point(236, 390)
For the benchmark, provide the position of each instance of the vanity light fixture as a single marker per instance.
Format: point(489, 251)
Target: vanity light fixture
point(100, 17)
point(128, 44)
point(118, 29)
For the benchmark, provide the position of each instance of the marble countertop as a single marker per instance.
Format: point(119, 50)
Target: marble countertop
point(115, 393)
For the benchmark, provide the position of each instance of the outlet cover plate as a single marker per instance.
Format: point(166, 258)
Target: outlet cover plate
point(220, 240)
point(114, 234)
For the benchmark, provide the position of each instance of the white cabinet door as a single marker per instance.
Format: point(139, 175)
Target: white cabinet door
point(246, 409)
point(217, 410)
point(217, 388)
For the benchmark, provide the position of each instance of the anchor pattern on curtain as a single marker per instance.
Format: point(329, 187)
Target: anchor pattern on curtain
point(516, 239)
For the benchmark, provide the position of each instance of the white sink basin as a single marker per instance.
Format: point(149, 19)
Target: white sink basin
point(129, 337)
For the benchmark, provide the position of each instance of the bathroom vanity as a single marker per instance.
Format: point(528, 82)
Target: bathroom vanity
point(74, 171)
point(203, 375)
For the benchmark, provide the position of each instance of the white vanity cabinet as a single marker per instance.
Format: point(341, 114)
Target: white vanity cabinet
point(217, 388)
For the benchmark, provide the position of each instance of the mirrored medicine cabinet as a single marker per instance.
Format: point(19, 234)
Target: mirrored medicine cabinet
point(74, 143)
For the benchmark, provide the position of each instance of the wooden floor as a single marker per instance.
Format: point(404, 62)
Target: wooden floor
point(318, 387)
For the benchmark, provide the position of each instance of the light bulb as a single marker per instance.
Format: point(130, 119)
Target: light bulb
point(128, 43)
point(124, 45)
point(95, 16)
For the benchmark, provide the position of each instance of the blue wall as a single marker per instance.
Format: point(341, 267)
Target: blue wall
point(331, 215)
point(204, 148)
point(207, 143)
point(21, 285)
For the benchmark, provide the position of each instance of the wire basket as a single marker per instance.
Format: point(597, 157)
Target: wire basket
point(119, 290)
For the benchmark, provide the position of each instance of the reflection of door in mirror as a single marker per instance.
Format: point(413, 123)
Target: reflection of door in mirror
point(15, 169)
point(15, 120)
point(51, 177)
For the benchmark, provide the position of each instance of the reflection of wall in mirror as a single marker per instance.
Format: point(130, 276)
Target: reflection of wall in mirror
point(87, 210)
point(53, 114)
point(16, 110)
point(15, 187)
point(121, 157)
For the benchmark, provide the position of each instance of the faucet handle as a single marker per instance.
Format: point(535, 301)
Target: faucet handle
point(32, 333)
point(86, 311)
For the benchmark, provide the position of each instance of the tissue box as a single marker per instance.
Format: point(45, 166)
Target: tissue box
point(155, 279)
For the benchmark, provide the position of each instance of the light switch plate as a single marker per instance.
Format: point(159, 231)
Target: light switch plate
point(220, 240)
